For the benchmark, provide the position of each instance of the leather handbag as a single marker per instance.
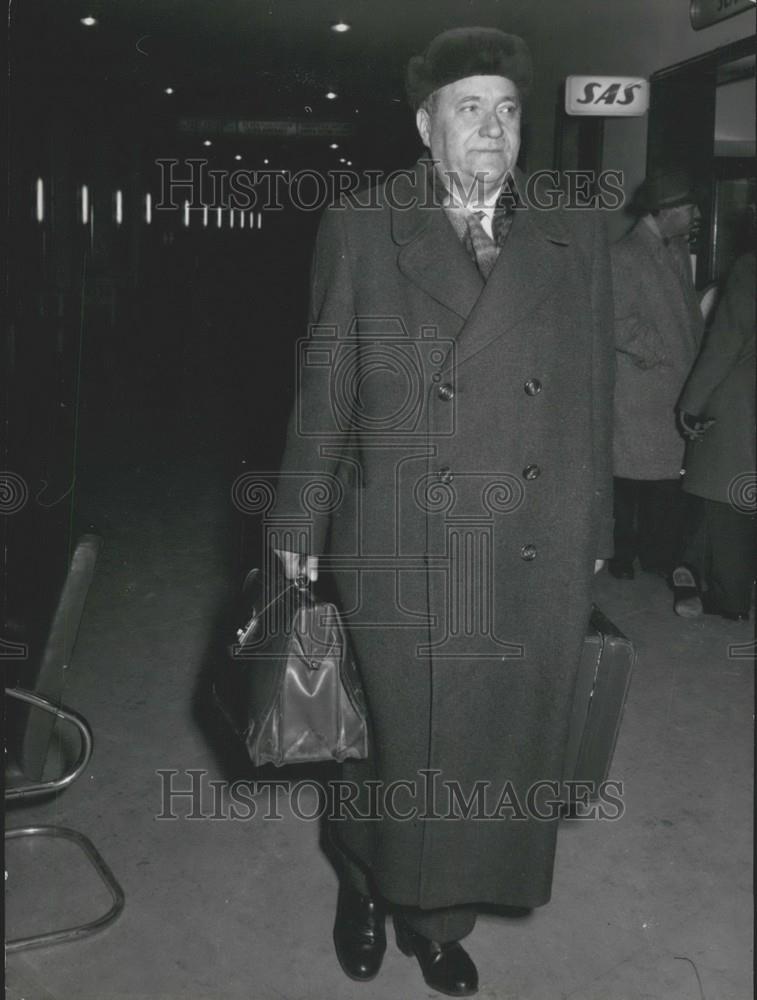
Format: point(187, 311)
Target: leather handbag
point(290, 688)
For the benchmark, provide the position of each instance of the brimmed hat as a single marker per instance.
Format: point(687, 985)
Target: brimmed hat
point(666, 190)
point(462, 52)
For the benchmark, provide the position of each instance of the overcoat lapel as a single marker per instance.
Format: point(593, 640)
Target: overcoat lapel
point(431, 254)
point(687, 301)
point(528, 269)
point(433, 257)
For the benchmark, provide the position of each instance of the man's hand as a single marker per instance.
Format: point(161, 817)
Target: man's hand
point(298, 565)
point(598, 564)
point(692, 428)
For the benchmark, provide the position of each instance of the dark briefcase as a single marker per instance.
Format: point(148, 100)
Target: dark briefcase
point(604, 674)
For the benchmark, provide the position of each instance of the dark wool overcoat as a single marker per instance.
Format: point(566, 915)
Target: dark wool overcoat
point(449, 458)
point(658, 330)
point(721, 466)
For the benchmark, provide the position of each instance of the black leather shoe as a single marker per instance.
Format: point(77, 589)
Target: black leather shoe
point(359, 933)
point(446, 967)
point(621, 569)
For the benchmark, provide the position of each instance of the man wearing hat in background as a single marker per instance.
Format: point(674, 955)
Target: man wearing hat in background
point(658, 330)
point(504, 461)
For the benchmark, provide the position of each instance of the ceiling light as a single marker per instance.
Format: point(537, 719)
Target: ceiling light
point(238, 156)
point(265, 161)
point(334, 145)
point(207, 142)
point(342, 160)
point(88, 22)
point(168, 90)
point(331, 96)
point(340, 27)
point(349, 163)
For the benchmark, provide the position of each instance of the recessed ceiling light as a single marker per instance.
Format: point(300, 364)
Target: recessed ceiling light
point(88, 22)
point(207, 142)
point(349, 163)
point(168, 90)
point(334, 145)
point(265, 161)
point(340, 27)
point(238, 156)
point(331, 95)
point(342, 159)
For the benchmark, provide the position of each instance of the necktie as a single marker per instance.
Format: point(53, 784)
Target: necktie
point(484, 250)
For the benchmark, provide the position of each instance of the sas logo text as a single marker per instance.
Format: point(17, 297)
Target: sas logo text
point(606, 95)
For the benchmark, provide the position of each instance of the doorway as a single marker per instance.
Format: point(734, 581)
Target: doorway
point(702, 120)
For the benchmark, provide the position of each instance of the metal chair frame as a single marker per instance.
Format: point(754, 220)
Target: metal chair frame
point(34, 744)
point(33, 789)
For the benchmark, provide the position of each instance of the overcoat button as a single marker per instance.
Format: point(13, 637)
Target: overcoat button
point(531, 472)
point(532, 386)
point(445, 391)
point(528, 552)
point(445, 475)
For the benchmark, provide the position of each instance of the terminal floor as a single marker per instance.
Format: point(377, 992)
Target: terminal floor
point(656, 905)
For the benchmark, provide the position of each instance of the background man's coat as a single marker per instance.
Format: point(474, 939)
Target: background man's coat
point(658, 328)
point(463, 431)
point(721, 388)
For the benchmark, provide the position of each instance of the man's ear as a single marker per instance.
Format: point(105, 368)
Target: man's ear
point(423, 124)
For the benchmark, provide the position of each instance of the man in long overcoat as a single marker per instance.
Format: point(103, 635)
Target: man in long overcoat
point(658, 329)
point(719, 398)
point(448, 459)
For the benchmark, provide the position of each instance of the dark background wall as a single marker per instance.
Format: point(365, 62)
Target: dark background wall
point(133, 331)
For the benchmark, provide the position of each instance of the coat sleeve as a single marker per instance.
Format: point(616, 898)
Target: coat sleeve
point(307, 488)
point(732, 324)
point(603, 378)
point(635, 336)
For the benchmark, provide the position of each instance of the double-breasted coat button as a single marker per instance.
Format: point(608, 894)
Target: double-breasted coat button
point(445, 391)
point(532, 386)
point(531, 472)
point(528, 552)
point(445, 475)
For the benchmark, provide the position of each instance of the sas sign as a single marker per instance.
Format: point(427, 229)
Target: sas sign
point(606, 95)
point(703, 13)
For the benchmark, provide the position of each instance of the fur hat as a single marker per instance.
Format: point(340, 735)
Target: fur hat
point(462, 52)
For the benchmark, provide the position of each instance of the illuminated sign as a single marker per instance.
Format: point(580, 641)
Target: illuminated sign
point(703, 13)
point(288, 128)
point(611, 96)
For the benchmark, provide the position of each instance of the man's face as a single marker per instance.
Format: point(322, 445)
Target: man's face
point(473, 131)
point(677, 221)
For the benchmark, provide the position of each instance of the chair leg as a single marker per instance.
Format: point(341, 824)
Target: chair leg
point(102, 869)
